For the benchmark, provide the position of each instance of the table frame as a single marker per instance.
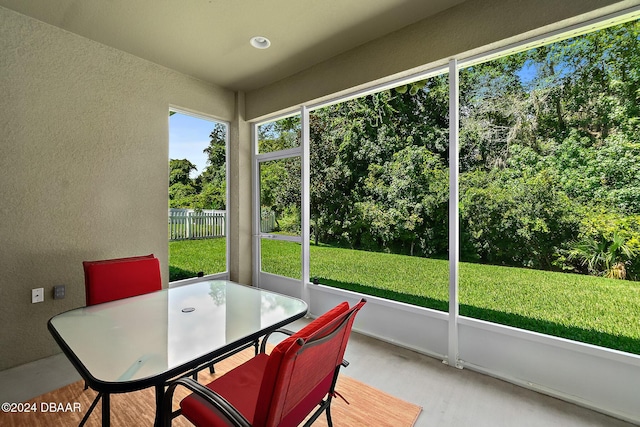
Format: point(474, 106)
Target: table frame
point(106, 388)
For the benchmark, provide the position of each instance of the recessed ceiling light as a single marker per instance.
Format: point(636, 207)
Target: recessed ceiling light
point(260, 42)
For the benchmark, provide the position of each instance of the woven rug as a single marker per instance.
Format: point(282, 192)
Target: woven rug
point(66, 406)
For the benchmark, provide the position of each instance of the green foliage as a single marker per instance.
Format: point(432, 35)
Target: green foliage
point(212, 196)
point(408, 202)
point(378, 174)
point(216, 151)
point(279, 135)
point(180, 192)
point(208, 190)
point(290, 222)
point(213, 180)
point(603, 256)
point(600, 228)
point(517, 221)
point(280, 185)
point(179, 171)
point(546, 137)
point(606, 173)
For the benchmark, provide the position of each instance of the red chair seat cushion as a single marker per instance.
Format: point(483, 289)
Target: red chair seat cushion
point(240, 387)
point(114, 279)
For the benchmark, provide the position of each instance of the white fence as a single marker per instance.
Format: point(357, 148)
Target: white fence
point(190, 224)
point(207, 223)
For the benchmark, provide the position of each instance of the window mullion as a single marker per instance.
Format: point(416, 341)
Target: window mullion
point(454, 224)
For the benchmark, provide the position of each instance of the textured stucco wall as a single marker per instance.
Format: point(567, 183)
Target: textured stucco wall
point(240, 260)
point(83, 167)
point(470, 28)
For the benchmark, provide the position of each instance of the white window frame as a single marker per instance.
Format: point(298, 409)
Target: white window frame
point(295, 286)
point(222, 274)
point(596, 377)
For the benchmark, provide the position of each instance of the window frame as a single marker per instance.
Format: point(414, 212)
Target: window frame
point(453, 66)
point(222, 274)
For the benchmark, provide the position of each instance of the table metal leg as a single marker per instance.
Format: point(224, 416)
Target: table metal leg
point(106, 410)
point(93, 405)
point(159, 399)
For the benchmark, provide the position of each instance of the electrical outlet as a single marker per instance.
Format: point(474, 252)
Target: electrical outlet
point(37, 295)
point(58, 292)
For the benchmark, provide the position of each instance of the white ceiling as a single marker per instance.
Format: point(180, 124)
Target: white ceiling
point(209, 39)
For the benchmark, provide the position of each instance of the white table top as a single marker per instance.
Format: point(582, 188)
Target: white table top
point(165, 333)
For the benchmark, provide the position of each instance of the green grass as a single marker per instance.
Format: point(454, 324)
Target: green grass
point(281, 257)
point(599, 311)
point(189, 257)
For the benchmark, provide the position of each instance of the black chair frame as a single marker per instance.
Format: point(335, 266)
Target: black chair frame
point(223, 408)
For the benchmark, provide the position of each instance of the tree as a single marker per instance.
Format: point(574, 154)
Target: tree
point(494, 113)
point(207, 190)
point(352, 141)
point(410, 199)
point(213, 181)
point(518, 221)
point(546, 137)
point(182, 188)
point(179, 171)
point(280, 179)
point(216, 151)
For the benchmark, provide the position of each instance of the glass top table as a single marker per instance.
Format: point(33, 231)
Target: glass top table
point(144, 341)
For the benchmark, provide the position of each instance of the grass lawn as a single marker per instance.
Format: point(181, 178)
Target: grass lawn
point(604, 312)
point(188, 257)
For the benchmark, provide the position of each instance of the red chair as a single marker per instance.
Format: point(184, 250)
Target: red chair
point(280, 389)
point(114, 279)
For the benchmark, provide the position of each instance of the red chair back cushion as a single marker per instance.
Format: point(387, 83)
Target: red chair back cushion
point(294, 382)
point(114, 279)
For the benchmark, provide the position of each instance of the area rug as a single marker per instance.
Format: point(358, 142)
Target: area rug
point(367, 406)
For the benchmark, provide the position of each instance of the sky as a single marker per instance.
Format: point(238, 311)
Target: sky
point(188, 136)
